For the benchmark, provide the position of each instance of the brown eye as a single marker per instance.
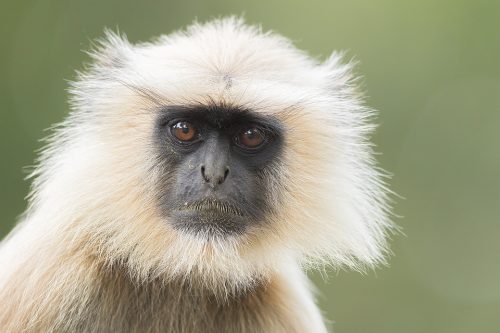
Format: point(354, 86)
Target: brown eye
point(184, 131)
point(251, 138)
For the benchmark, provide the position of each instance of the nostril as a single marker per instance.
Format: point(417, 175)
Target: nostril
point(203, 173)
point(223, 178)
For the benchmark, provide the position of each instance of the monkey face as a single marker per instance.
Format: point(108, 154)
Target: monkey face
point(217, 164)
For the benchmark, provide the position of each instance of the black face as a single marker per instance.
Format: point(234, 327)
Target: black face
point(217, 164)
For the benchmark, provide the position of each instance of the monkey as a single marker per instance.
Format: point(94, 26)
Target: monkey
point(195, 181)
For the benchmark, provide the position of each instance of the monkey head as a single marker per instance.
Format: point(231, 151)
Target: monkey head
point(215, 155)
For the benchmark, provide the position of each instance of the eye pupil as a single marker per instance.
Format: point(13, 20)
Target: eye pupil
point(184, 131)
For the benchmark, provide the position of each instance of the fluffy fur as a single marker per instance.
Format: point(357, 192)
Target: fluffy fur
point(93, 254)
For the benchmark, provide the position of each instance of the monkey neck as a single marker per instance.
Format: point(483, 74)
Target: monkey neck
point(174, 304)
point(179, 306)
point(79, 295)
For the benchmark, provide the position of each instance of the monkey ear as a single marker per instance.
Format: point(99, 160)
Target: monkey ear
point(111, 51)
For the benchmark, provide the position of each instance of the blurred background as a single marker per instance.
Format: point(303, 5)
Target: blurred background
point(432, 69)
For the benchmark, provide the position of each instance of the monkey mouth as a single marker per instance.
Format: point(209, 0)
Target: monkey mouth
point(211, 205)
point(210, 217)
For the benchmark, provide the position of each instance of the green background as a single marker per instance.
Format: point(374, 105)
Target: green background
point(431, 67)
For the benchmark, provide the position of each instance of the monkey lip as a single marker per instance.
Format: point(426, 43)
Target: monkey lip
point(211, 205)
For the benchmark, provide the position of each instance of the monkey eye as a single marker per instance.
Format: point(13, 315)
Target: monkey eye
point(251, 138)
point(184, 131)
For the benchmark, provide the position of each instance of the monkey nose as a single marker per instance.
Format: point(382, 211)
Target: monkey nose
point(214, 175)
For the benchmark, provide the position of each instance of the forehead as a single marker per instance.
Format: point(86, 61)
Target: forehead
point(186, 73)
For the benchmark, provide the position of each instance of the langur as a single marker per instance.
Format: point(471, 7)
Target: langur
point(195, 179)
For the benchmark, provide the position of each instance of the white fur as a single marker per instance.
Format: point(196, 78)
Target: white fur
point(93, 189)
